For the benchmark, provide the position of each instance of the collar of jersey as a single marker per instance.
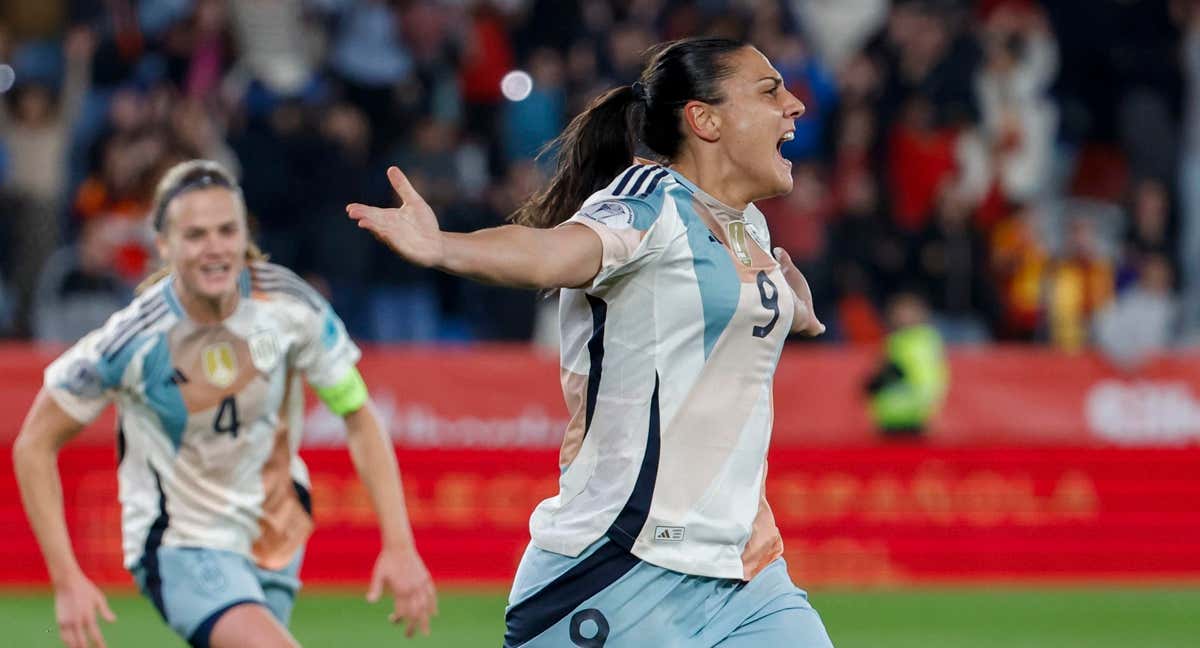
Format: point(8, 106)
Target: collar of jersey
point(722, 212)
point(173, 299)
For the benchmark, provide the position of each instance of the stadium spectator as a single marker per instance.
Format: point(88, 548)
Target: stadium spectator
point(78, 289)
point(1142, 321)
point(904, 96)
point(1079, 283)
point(36, 126)
point(950, 260)
point(1018, 118)
point(907, 389)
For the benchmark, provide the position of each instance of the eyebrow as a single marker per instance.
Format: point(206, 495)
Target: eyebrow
point(778, 81)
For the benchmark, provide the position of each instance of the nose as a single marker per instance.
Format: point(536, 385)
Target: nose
point(793, 108)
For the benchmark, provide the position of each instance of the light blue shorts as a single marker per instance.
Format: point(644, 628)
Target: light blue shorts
point(192, 587)
point(607, 598)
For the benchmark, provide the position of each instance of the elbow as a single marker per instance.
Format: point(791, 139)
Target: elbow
point(25, 451)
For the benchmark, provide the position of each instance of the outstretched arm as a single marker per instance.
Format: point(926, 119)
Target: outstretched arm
point(510, 255)
point(399, 566)
point(35, 462)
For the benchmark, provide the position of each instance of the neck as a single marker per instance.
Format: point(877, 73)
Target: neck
point(715, 175)
point(205, 310)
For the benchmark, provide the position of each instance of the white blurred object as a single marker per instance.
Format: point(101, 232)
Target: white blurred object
point(8, 76)
point(516, 85)
point(839, 28)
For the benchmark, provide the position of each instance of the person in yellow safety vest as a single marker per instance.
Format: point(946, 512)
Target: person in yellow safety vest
point(908, 388)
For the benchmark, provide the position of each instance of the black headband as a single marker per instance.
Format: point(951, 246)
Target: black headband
point(204, 181)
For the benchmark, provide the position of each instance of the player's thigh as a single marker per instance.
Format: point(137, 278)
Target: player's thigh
point(192, 588)
point(768, 611)
point(280, 588)
point(250, 625)
point(800, 627)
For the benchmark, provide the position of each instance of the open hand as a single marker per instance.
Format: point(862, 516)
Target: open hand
point(75, 607)
point(411, 230)
point(403, 572)
point(805, 320)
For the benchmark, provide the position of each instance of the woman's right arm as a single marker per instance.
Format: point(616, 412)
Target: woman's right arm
point(510, 255)
point(35, 462)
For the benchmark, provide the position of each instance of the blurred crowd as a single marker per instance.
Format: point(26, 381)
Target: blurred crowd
point(1030, 171)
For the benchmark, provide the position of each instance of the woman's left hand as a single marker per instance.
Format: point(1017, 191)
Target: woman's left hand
point(403, 572)
point(805, 320)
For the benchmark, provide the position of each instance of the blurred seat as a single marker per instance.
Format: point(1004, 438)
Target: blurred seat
point(69, 301)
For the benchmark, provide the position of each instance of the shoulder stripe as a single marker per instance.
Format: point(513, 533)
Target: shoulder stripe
point(144, 322)
point(306, 295)
point(654, 180)
point(133, 322)
point(625, 177)
point(636, 180)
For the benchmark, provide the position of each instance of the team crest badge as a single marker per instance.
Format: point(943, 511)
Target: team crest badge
point(264, 351)
point(220, 364)
point(737, 240)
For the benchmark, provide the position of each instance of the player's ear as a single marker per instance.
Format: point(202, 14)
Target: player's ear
point(702, 119)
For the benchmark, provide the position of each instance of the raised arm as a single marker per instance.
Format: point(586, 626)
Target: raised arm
point(510, 255)
point(35, 462)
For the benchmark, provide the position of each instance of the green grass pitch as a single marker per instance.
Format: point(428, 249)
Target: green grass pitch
point(978, 617)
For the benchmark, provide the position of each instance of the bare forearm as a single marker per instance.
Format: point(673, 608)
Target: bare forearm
point(522, 257)
point(36, 469)
point(375, 462)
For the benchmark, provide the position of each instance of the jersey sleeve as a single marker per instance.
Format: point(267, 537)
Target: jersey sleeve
point(86, 378)
point(632, 232)
point(326, 354)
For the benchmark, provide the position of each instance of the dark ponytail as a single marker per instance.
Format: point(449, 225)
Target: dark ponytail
point(596, 146)
point(600, 142)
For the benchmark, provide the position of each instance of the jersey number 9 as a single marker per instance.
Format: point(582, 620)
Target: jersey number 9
point(770, 301)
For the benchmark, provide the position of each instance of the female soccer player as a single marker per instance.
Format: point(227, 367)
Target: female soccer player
point(673, 316)
point(205, 370)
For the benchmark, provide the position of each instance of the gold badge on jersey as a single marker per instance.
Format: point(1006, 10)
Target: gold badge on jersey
point(220, 364)
point(737, 241)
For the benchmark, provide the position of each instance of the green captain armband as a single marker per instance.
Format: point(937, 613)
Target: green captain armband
point(347, 396)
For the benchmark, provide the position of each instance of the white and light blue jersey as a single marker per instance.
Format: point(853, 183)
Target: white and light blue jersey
point(668, 359)
point(210, 415)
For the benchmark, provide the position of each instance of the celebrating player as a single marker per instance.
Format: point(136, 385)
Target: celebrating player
point(673, 316)
point(205, 369)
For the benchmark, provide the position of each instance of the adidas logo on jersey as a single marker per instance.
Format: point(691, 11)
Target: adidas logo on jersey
point(668, 534)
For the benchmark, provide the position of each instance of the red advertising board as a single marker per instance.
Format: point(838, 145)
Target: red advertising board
point(869, 515)
point(509, 397)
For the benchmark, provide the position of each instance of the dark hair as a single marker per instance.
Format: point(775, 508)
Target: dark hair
point(600, 142)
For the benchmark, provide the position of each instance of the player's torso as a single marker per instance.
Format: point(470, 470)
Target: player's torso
point(688, 345)
point(208, 419)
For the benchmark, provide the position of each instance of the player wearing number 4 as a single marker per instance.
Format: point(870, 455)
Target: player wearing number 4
point(205, 367)
point(673, 317)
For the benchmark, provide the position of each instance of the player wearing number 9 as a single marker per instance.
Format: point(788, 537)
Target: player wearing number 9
point(205, 368)
point(673, 313)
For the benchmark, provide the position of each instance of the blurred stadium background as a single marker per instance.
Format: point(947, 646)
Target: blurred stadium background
point(1016, 180)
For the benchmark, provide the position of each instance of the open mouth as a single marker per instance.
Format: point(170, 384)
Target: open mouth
point(215, 271)
point(787, 137)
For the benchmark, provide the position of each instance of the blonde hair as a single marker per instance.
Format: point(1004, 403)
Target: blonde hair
point(180, 179)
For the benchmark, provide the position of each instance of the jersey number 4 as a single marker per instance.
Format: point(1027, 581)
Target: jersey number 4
point(227, 418)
